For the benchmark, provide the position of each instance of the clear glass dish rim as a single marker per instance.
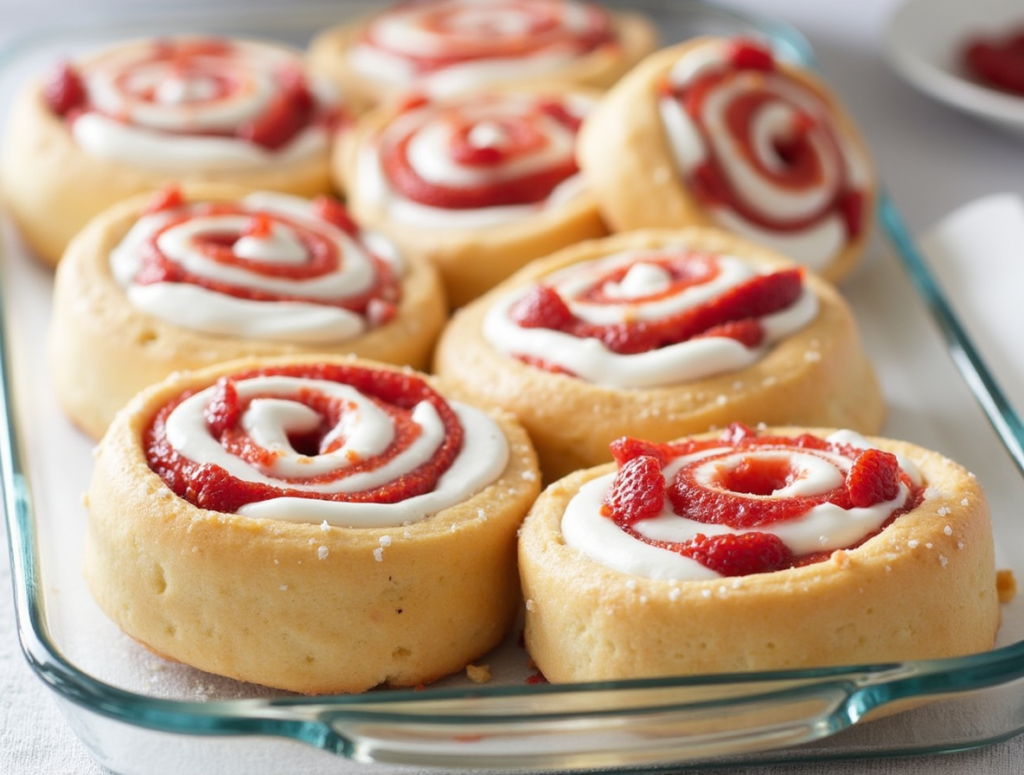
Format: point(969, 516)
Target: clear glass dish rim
point(308, 719)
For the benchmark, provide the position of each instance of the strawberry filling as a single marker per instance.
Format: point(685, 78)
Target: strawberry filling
point(207, 61)
point(491, 145)
point(464, 35)
point(805, 156)
point(732, 314)
point(210, 486)
point(748, 483)
point(218, 246)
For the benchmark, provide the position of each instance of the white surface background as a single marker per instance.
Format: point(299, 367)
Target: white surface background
point(932, 159)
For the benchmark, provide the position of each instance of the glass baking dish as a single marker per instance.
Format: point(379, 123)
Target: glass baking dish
point(125, 704)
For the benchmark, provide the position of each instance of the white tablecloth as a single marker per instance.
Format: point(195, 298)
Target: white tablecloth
point(932, 160)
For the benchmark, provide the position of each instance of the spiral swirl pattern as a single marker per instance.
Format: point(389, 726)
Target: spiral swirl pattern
point(478, 161)
point(211, 103)
point(349, 445)
point(646, 318)
point(442, 46)
point(795, 494)
point(763, 152)
point(269, 266)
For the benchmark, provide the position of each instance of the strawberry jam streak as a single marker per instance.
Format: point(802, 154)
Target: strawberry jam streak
point(741, 496)
point(208, 486)
point(291, 110)
point(217, 246)
point(733, 314)
point(802, 163)
point(523, 135)
point(542, 29)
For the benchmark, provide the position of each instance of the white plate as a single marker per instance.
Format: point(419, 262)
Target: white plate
point(923, 43)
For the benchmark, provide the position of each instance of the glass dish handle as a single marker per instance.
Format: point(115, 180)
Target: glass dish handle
point(1000, 413)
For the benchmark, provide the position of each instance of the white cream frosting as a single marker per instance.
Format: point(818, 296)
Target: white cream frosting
point(817, 244)
point(400, 33)
point(311, 318)
point(172, 130)
point(824, 527)
point(592, 361)
point(428, 156)
point(363, 432)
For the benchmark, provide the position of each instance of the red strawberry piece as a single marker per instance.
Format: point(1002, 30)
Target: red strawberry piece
point(260, 226)
point(283, 118)
point(626, 448)
point(560, 113)
point(167, 198)
point(411, 101)
point(997, 63)
point(709, 185)
point(334, 212)
point(851, 205)
point(738, 432)
point(748, 332)
point(211, 487)
point(637, 492)
point(543, 365)
point(761, 295)
point(740, 554)
point(293, 81)
point(64, 91)
point(223, 410)
point(751, 55)
point(542, 307)
point(873, 478)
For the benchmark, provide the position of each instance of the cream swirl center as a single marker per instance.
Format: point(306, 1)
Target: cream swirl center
point(277, 410)
point(821, 528)
point(448, 46)
point(185, 103)
point(764, 153)
point(641, 290)
point(482, 161)
point(300, 278)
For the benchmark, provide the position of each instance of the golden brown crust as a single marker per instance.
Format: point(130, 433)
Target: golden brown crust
point(625, 155)
point(817, 376)
point(328, 55)
point(923, 588)
point(52, 187)
point(260, 601)
point(102, 350)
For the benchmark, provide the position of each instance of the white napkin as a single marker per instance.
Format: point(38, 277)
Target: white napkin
point(977, 254)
